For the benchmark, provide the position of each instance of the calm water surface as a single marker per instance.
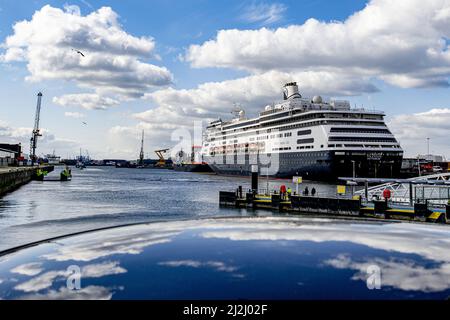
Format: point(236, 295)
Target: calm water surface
point(105, 196)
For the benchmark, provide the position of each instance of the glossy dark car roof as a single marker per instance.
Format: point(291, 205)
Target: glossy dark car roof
point(238, 258)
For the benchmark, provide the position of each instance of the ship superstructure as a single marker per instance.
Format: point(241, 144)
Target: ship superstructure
point(312, 138)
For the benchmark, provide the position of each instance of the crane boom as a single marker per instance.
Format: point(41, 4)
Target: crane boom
point(141, 154)
point(36, 130)
point(160, 153)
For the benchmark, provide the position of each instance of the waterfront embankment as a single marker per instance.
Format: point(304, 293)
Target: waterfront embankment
point(13, 177)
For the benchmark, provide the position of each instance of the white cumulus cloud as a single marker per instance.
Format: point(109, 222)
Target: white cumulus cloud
point(180, 109)
point(413, 129)
point(109, 59)
point(255, 91)
point(76, 115)
point(402, 42)
point(47, 143)
point(88, 101)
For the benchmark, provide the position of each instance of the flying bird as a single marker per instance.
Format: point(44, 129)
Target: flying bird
point(78, 51)
point(85, 123)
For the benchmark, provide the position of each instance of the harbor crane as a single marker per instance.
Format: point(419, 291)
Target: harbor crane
point(36, 130)
point(141, 154)
point(160, 153)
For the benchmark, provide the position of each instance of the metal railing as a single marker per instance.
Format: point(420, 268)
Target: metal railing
point(433, 189)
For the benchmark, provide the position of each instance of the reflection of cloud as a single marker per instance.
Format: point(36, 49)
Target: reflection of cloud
point(217, 265)
point(41, 282)
point(88, 293)
point(403, 274)
point(428, 241)
point(182, 263)
point(114, 242)
point(46, 280)
point(395, 237)
point(102, 269)
point(28, 269)
point(433, 244)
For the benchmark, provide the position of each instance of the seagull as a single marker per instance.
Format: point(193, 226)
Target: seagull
point(78, 51)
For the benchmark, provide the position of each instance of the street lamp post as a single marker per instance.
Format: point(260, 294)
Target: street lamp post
point(353, 164)
point(418, 164)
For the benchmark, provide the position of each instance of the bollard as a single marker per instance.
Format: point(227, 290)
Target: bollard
point(421, 210)
point(380, 207)
point(255, 178)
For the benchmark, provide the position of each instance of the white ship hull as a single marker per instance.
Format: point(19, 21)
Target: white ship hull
point(311, 138)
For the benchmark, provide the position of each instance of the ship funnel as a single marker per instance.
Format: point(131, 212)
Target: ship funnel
point(290, 91)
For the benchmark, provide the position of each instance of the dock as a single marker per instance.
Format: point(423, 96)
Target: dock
point(335, 206)
point(13, 177)
point(423, 209)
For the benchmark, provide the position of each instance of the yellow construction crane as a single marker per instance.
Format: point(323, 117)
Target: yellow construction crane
point(160, 153)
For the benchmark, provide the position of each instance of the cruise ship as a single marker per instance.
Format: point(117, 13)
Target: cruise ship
point(312, 138)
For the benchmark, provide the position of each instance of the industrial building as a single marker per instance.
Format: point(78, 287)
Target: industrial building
point(6, 157)
point(10, 154)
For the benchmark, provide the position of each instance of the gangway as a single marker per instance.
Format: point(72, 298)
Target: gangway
point(433, 188)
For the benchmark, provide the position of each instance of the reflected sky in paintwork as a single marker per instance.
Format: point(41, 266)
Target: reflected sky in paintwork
point(238, 258)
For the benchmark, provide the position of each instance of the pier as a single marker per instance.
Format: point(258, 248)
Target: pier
point(423, 208)
point(335, 206)
point(13, 177)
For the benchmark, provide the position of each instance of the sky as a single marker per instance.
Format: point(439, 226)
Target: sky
point(165, 66)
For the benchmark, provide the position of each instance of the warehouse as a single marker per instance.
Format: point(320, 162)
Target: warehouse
point(6, 157)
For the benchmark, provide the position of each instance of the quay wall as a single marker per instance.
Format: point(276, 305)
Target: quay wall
point(13, 177)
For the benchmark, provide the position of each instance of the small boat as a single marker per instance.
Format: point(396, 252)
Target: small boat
point(40, 174)
point(80, 165)
point(66, 174)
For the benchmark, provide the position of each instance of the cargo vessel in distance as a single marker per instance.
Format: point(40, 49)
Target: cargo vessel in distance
point(192, 162)
point(312, 138)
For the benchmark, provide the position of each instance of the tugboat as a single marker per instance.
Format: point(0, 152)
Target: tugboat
point(66, 174)
point(40, 174)
point(191, 165)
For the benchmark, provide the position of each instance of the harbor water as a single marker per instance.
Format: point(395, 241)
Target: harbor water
point(100, 197)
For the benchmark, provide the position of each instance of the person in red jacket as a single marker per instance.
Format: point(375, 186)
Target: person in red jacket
point(386, 194)
point(282, 191)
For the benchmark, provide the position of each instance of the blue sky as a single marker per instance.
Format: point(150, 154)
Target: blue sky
point(409, 98)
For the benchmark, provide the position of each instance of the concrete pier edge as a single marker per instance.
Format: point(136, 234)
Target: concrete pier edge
point(12, 178)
